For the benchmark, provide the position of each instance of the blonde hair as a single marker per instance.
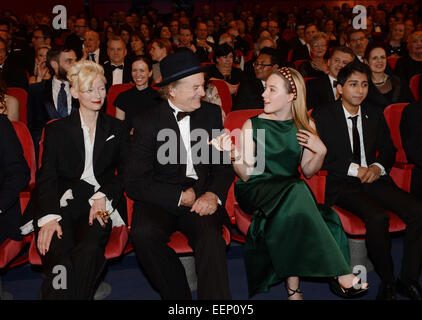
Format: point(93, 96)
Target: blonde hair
point(317, 36)
point(82, 74)
point(300, 114)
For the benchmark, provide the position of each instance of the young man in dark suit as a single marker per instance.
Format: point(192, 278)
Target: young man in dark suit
point(175, 190)
point(117, 69)
point(323, 91)
point(51, 99)
point(14, 177)
point(359, 158)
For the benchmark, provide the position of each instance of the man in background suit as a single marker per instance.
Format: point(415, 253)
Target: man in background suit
point(303, 52)
point(181, 194)
point(51, 99)
point(117, 70)
point(14, 177)
point(359, 158)
point(76, 39)
point(92, 50)
point(249, 94)
point(323, 91)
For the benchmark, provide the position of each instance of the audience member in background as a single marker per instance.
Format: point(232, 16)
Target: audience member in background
point(141, 97)
point(146, 33)
point(14, 177)
point(117, 68)
point(41, 71)
point(282, 45)
point(409, 28)
point(78, 196)
point(11, 68)
point(411, 64)
point(357, 41)
point(91, 50)
point(360, 157)
point(137, 44)
point(317, 66)
point(322, 91)
point(203, 46)
point(249, 94)
point(298, 41)
point(186, 38)
point(174, 29)
point(164, 33)
point(159, 50)
point(411, 133)
point(41, 37)
point(125, 31)
point(223, 68)
point(383, 89)
point(396, 42)
point(303, 52)
point(329, 30)
point(75, 40)
point(9, 105)
point(51, 99)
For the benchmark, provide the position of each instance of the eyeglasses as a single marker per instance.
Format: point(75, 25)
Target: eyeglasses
point(262, 65)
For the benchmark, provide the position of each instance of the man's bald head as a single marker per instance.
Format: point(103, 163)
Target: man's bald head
point(92, 41)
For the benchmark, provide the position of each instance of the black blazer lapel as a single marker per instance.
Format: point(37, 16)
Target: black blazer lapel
point(48, 100)
point(76, 131)
point(342, 125)
point(328, 88)
point(102, 131)
point(369, 134)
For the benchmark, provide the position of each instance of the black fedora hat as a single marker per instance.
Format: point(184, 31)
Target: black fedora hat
point(179, 65)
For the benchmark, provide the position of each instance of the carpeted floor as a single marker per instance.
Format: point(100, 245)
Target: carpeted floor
point(129, 283)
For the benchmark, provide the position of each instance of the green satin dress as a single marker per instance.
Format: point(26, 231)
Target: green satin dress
point(290, 235)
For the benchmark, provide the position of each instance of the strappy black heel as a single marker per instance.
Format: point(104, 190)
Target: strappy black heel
point(347, 293)
point(293, 292)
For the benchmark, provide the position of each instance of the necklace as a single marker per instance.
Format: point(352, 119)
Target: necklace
point(382, 82)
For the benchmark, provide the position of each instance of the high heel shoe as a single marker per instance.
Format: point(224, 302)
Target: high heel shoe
point(346, 293)
point(293, 292)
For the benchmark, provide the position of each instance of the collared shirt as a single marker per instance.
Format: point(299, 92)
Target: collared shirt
point(332, 79)
point(56, 84)
point(353, 168)
point(117, 76)
point(96, 54)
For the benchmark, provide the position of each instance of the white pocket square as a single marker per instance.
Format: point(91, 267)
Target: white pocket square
point(109, 138)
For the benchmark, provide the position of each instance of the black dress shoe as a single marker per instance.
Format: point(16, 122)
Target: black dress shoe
point(411, 290)
point(386, 291)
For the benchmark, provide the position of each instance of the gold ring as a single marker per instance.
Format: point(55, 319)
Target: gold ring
point(104, 214)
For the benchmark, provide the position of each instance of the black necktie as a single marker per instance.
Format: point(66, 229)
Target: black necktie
point(180, 115)
point(62, 101)
point(116, 67)
point(335, 84)
point(356, 140)
point(92, 57)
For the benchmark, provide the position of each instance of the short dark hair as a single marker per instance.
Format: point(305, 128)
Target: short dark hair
point(145, 59)
point(222, 51)
point(54, 55)
point(371, 47)
point(272, 53)
point(351, 31)
point(347, 70)
point(343, 49)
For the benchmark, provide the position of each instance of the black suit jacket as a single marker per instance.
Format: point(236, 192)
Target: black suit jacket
point(75, 43)
point(127, 74)
point(249, 94)
point(301, 53)
point(63, 164)
point(161, 184)
point(14, 177)
point(332, 128)
point(41, 108)
point(319, 93)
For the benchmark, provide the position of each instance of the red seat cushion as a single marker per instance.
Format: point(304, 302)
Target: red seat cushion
point(9, 250)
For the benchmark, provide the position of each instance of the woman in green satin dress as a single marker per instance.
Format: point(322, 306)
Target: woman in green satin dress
point(290, 235)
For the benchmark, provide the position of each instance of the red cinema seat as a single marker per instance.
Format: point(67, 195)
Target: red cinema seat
point(22, 97)
point(298, 63)
point(112, 94)
point(392, 62)
point(414, 85)
point(224, 93)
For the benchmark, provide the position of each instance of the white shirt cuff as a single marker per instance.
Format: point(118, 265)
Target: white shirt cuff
point(353, 170)
point(180, 199)
point(383, 173)
point(97, 196)
point(49, 217)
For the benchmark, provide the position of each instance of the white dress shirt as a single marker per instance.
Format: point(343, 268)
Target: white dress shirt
point(332, 79)
point(353, 168)
point(118, 76)
point(56, 84)
point(96, 54)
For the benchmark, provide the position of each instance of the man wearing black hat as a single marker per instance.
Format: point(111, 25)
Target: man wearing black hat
point(178, 183)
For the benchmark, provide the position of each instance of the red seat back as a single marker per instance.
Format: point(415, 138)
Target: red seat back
point(112, 94)
point(392, 116)
point(414, 85)
point(297, 63)
point(22, 97)
point(25, 139)
point(392, 62)
point(224, 93)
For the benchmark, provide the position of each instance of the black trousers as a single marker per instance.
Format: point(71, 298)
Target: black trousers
point(151, 230)
point(80, 253)
point(369, 202)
